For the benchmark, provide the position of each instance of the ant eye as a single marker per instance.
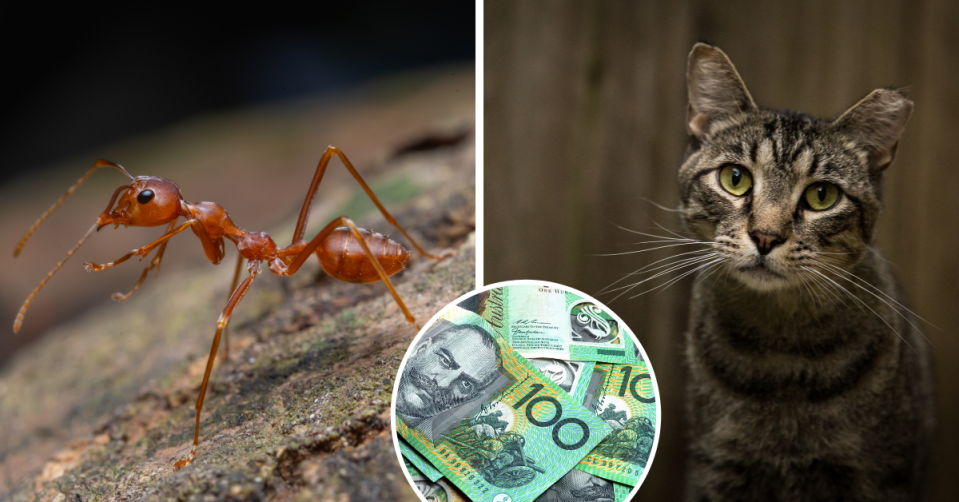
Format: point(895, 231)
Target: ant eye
point(145, 196)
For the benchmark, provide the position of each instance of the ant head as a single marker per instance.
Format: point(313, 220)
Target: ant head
point(147, 202)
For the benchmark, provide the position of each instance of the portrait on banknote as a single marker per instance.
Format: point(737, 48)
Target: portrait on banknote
point(450, 373)
point(579, 486)
point(433, 492)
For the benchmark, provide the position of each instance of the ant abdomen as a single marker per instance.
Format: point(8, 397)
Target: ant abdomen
point(342, 256)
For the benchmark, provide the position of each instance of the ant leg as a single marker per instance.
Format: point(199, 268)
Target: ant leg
point(235, 298)
point(226, 330)
point(212, 248)
point(154, 263)
point(320, 237)
point(320, 169)
point(92, 267)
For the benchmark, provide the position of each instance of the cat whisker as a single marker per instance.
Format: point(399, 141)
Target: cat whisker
point(672, 267)
point(840, 270)
point(664, 241)
point(637, 232)
point(875, 252)
point(827, 289)
point(839, 289)
point(710, 272)
point(647, 267)
point(680, 277)
point(834, 294)
point(856, 300)
point(802, 280)
point(829, 260)
point(669, 242)
point(677, 234)
point(880, 298)
point(709, 260)
point(705, 243)
point(649, 249)
point(864, 304)
point(726, 276)
point(664, 208)
point(722, 275)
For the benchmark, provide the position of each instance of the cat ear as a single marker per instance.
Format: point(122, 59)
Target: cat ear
point(715, 89)
point(876, 122)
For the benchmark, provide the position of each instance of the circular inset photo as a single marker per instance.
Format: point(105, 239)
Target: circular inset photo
point(526, 391)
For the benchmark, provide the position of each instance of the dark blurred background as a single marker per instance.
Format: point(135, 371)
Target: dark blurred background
point(90, 76)
point(215, 100)
point(585, 111)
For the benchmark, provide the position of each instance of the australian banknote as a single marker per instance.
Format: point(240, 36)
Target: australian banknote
point(433, 490)
point(422, 465)
point(542, 321)
point(440, 490)
point(572, 376)
point(485, 417)
point(580, 486)
point(625, 399)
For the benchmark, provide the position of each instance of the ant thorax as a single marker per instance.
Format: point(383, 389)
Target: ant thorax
point(214, 218)
point(255, 245)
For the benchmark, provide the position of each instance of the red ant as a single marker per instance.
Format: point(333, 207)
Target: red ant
point(346, 253)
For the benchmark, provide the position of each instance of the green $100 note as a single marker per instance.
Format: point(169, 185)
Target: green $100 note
point(433, 490)
point(423, 466)
point(579, 486)
point(572, 376)
point(547, 321)
point(482, 415)
point(625, 400)
point(438, 491)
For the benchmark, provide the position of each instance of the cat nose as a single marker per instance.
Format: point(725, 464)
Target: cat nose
point(765, 242)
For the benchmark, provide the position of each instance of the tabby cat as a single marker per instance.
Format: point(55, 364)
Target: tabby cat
point(808, 378)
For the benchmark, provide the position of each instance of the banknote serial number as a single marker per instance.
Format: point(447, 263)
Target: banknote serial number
point(458, 466)
point(615, 467)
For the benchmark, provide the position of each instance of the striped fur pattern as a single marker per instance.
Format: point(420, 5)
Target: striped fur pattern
point(809, 378)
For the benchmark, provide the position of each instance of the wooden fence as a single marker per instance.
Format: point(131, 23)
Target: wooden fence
point(585, 104)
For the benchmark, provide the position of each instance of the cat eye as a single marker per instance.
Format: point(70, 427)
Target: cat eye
point(735, 179)
point(822, 195)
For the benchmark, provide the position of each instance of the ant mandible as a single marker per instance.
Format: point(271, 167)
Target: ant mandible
point(345, 252)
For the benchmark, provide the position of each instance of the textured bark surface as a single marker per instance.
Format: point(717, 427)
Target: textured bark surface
point(102, 406)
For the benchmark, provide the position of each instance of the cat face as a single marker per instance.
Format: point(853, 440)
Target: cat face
point(777, 192)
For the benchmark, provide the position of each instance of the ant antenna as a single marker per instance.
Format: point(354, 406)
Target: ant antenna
point(26, 303)
point(99, 163)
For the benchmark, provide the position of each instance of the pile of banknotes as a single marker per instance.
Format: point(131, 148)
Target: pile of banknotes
point(526, 393)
